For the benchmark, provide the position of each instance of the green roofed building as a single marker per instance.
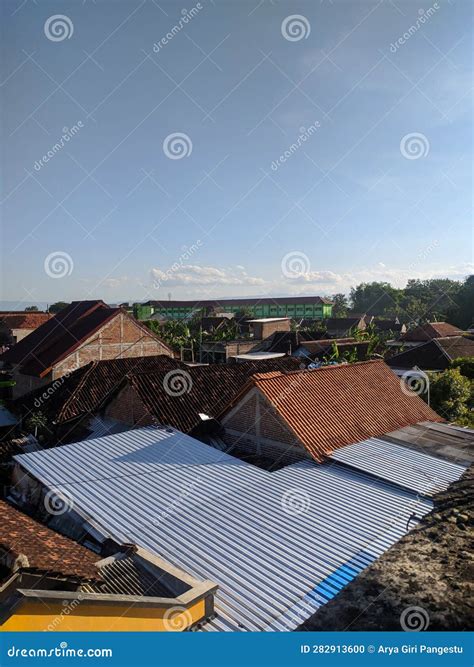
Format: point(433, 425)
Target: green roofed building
point(295, 307)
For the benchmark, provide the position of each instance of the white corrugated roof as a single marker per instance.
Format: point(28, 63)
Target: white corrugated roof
point(407, 467)
point(223, 519)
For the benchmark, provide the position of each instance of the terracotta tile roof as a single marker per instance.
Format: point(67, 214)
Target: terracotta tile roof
point(334, 406)
point(84, 390)
point(431, 330)
point(434, 355)
point(211, 388)
point(60, 336)
point(46, 551)
point(23, 320)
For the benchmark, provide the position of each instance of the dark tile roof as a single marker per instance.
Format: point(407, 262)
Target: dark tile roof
point(434, 355)
point(46, 551)
point(387, 325)
point(60, 336)
point(210, 389)
point(84, 390)
point(431, 330)
point(333, 406)
point(345, 323)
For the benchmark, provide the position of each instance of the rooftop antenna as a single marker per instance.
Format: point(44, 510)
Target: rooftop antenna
point(169, 296)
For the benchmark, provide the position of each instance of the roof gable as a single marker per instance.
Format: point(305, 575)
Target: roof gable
point(334, 406)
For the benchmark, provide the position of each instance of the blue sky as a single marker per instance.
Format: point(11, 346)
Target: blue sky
point(358, 198)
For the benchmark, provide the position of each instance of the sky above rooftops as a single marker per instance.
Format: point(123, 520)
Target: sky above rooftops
point(171, 122)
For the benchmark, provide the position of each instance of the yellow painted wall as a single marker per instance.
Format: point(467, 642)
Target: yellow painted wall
point(87, 617)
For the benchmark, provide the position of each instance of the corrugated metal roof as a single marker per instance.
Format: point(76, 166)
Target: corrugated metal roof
point(406, 467)
point(223, 519)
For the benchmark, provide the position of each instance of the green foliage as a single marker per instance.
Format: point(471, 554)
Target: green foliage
point(37, 424)
point(31, 309)
point(451, 395)
point(462, 312)
point(56, 307)
point(420, 301)
point(340, 305)
point(376, 298)
point(465, 365)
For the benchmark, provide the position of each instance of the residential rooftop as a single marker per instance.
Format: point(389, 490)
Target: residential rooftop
point(333, 406)
point(279, 545)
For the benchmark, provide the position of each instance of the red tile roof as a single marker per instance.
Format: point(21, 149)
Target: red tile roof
point(431, 330)
point(61, 335)
point(46, 551)
point(23, 320)
point(334, 406)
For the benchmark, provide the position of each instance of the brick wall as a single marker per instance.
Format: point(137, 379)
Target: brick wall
point(121, 337)
point(255, 427)
point(127, 407)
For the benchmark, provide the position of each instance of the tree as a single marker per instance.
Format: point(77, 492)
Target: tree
point(450, 394)
point(37, 423)
point(376, 298)
point(433, 298)
point(340, 305)
point(56, 307)
point(462, 312)
point(31, 309)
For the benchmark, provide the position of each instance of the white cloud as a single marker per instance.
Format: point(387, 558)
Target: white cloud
point(190, 274)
